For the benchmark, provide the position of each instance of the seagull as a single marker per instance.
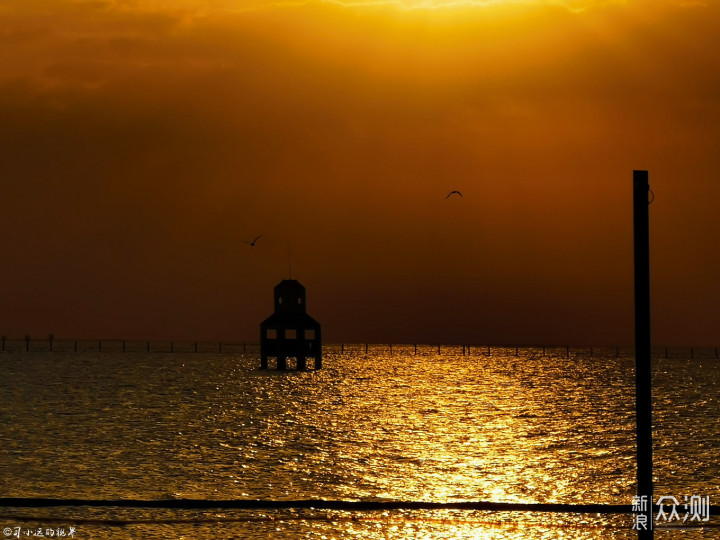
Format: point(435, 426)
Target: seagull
point(453, 191)
point(252, 244)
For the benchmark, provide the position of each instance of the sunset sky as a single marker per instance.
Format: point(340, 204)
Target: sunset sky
point(142, 141)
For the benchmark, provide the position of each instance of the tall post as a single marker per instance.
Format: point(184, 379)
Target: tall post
point(643, 372)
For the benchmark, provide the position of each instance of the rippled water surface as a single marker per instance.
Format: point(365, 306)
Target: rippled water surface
point(423, 427)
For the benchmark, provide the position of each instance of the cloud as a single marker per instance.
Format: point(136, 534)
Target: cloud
point(144, 140)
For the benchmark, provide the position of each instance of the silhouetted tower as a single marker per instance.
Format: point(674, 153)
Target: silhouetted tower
point(290, 332)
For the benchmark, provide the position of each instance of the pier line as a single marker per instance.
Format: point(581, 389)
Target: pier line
point(322, 504)
point(310, 517)
point(318, 504)
point(53, 344)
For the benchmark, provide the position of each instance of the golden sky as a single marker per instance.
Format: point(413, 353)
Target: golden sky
point(142, 141)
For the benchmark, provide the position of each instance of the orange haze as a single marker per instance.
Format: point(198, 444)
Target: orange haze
point(142, 142)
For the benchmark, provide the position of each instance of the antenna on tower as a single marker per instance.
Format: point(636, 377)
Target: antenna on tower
point(289, 263)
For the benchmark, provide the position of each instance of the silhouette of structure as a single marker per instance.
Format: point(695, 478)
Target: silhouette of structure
point(290, 332)
point(643, 351)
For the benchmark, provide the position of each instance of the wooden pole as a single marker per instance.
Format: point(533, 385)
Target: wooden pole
point(643, 363)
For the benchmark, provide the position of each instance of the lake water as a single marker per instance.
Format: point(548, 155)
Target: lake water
point(426, 427)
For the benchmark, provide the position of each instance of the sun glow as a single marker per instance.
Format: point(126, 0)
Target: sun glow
point(335, 125)
point(572, 5)
point(436, 4)
point(198, 6)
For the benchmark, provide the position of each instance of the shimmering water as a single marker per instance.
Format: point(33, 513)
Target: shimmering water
point(404, 427)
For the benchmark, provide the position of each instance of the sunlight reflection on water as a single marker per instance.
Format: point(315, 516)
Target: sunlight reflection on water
point(404, 427)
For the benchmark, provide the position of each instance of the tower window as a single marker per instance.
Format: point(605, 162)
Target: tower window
point(290, 333)
point(271, 333)
point(279, 299)
point(310, 333)
point(299, 300)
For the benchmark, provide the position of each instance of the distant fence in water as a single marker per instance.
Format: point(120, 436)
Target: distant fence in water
point(52, 344)
point(125, 346)
point(543, 351)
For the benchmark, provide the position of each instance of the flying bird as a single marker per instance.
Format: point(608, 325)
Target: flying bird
point(252, 244)
point(452, 192)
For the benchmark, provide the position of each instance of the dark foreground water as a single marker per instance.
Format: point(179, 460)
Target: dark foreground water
point(401, 427)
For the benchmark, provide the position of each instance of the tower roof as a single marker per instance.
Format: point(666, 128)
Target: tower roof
point(289, 297)
point(290, 284)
